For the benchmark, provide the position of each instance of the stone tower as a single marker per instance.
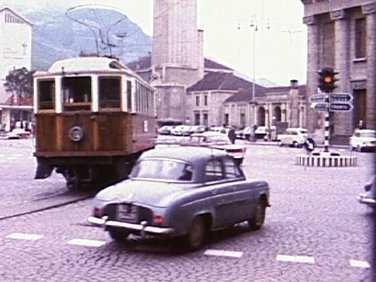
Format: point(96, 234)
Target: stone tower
point(177, 55)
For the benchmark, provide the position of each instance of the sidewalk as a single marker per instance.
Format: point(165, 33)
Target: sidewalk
point(275, 143)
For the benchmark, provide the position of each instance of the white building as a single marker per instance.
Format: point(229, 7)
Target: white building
point(15, 52)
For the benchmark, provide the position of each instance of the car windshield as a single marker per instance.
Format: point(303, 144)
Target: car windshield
point(163, 170)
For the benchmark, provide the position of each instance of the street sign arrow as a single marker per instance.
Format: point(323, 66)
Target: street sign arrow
point(320, 107)
point(340, 107)
point(341, 97)
point(317, 98)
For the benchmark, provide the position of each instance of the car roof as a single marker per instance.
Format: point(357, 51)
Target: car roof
point(184, 153)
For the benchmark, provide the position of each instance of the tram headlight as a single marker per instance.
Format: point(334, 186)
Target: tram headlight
point(76, 133)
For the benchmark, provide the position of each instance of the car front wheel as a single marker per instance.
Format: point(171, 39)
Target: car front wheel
point(258, 217)
point(196, 234)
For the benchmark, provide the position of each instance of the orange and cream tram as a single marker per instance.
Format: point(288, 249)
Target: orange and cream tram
point(93, 118)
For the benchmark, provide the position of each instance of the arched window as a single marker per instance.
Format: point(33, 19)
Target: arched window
point(261, 116)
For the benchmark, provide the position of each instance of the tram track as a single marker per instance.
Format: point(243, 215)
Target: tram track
point(47, 207)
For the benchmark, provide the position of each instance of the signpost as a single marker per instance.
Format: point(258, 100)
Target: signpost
point(340, 107)
point(317, 98)
point(320, 107)
point(341, 97)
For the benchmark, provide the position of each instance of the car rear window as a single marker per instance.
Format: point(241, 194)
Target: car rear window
point(162, 170)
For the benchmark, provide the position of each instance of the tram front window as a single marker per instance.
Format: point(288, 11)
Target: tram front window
point(77, 93)
point(46, 94)
point(109, 92)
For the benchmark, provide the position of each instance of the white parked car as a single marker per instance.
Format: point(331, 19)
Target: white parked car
point(293, 137)
point(218, 141)
point(181, 130)
point(363, 139)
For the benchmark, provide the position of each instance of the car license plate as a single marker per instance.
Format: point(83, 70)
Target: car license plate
point(127, 213)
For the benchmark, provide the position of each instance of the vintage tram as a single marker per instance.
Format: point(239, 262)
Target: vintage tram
point(93, 118)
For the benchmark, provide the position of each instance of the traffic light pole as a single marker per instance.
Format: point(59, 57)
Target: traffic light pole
point(327, 125)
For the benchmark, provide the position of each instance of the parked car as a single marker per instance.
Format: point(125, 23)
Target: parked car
point(18, 133)
point(181, 130)
point(181, 191)
point(295, 137)
point(368, 197)
point(219, 141)
point(197, 129)
point(165, 130)
point(363, 139)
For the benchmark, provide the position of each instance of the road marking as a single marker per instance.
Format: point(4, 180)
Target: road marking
point(86, 243)
point(223, 253)
point(24, 236)
point(299, 259)
point(359, 263)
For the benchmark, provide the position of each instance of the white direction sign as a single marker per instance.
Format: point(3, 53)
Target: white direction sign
point(317, 98)
point(320, 107)
point(340, 107)
point(341, 97)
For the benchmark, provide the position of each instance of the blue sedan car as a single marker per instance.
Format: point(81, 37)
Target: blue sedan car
point(181, 191)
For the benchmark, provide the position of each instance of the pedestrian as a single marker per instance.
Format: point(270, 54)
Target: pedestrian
point(309, 145)
point(232, 135)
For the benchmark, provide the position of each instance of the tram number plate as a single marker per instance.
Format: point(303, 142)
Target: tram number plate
point(127, 213)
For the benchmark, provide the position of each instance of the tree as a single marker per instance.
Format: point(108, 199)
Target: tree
point(19, 82)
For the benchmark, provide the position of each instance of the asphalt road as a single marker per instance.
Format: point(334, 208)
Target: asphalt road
point(314, 231)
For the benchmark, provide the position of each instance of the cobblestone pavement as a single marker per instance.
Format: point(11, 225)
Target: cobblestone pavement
point(314, 231)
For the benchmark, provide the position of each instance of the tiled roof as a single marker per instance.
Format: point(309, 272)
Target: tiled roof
point(222, 81)
point(145, 63)
point(210, 64)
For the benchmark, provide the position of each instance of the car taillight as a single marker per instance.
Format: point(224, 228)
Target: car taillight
point(158, 219)
point(97, 212)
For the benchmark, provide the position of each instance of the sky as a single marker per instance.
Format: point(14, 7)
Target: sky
point(278, 45)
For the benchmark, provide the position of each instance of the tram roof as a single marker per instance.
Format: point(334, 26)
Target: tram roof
point(87, 64)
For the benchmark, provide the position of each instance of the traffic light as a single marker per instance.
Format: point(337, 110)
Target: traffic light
point(327, 79)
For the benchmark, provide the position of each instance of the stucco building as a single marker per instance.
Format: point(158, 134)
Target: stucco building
point(342, 35)
point(15, 52)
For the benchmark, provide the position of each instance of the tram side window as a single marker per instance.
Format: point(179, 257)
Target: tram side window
point(109, 92)
point(46, 94)
point(129, 95)
point(77, 93)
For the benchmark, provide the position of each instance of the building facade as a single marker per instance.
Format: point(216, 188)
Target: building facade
point(177, 59)
point(15, 53)
point(342, 35)
point(192, 89)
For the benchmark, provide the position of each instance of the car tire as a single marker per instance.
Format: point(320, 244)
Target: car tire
point(238, 162)
point(295, 144)
point(118, 234)
point(196, 234)
point(258, 216)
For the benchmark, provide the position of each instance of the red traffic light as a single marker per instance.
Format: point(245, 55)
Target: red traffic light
point(327, 79)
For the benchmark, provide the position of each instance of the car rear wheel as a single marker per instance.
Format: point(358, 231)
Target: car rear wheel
point(197, 234)
point(258, 216)
point(118, 234)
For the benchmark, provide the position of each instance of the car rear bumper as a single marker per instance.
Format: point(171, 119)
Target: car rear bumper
point(139, 228)
point(364, 199)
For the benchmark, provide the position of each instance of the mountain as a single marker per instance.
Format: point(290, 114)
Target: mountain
point(56, 36)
